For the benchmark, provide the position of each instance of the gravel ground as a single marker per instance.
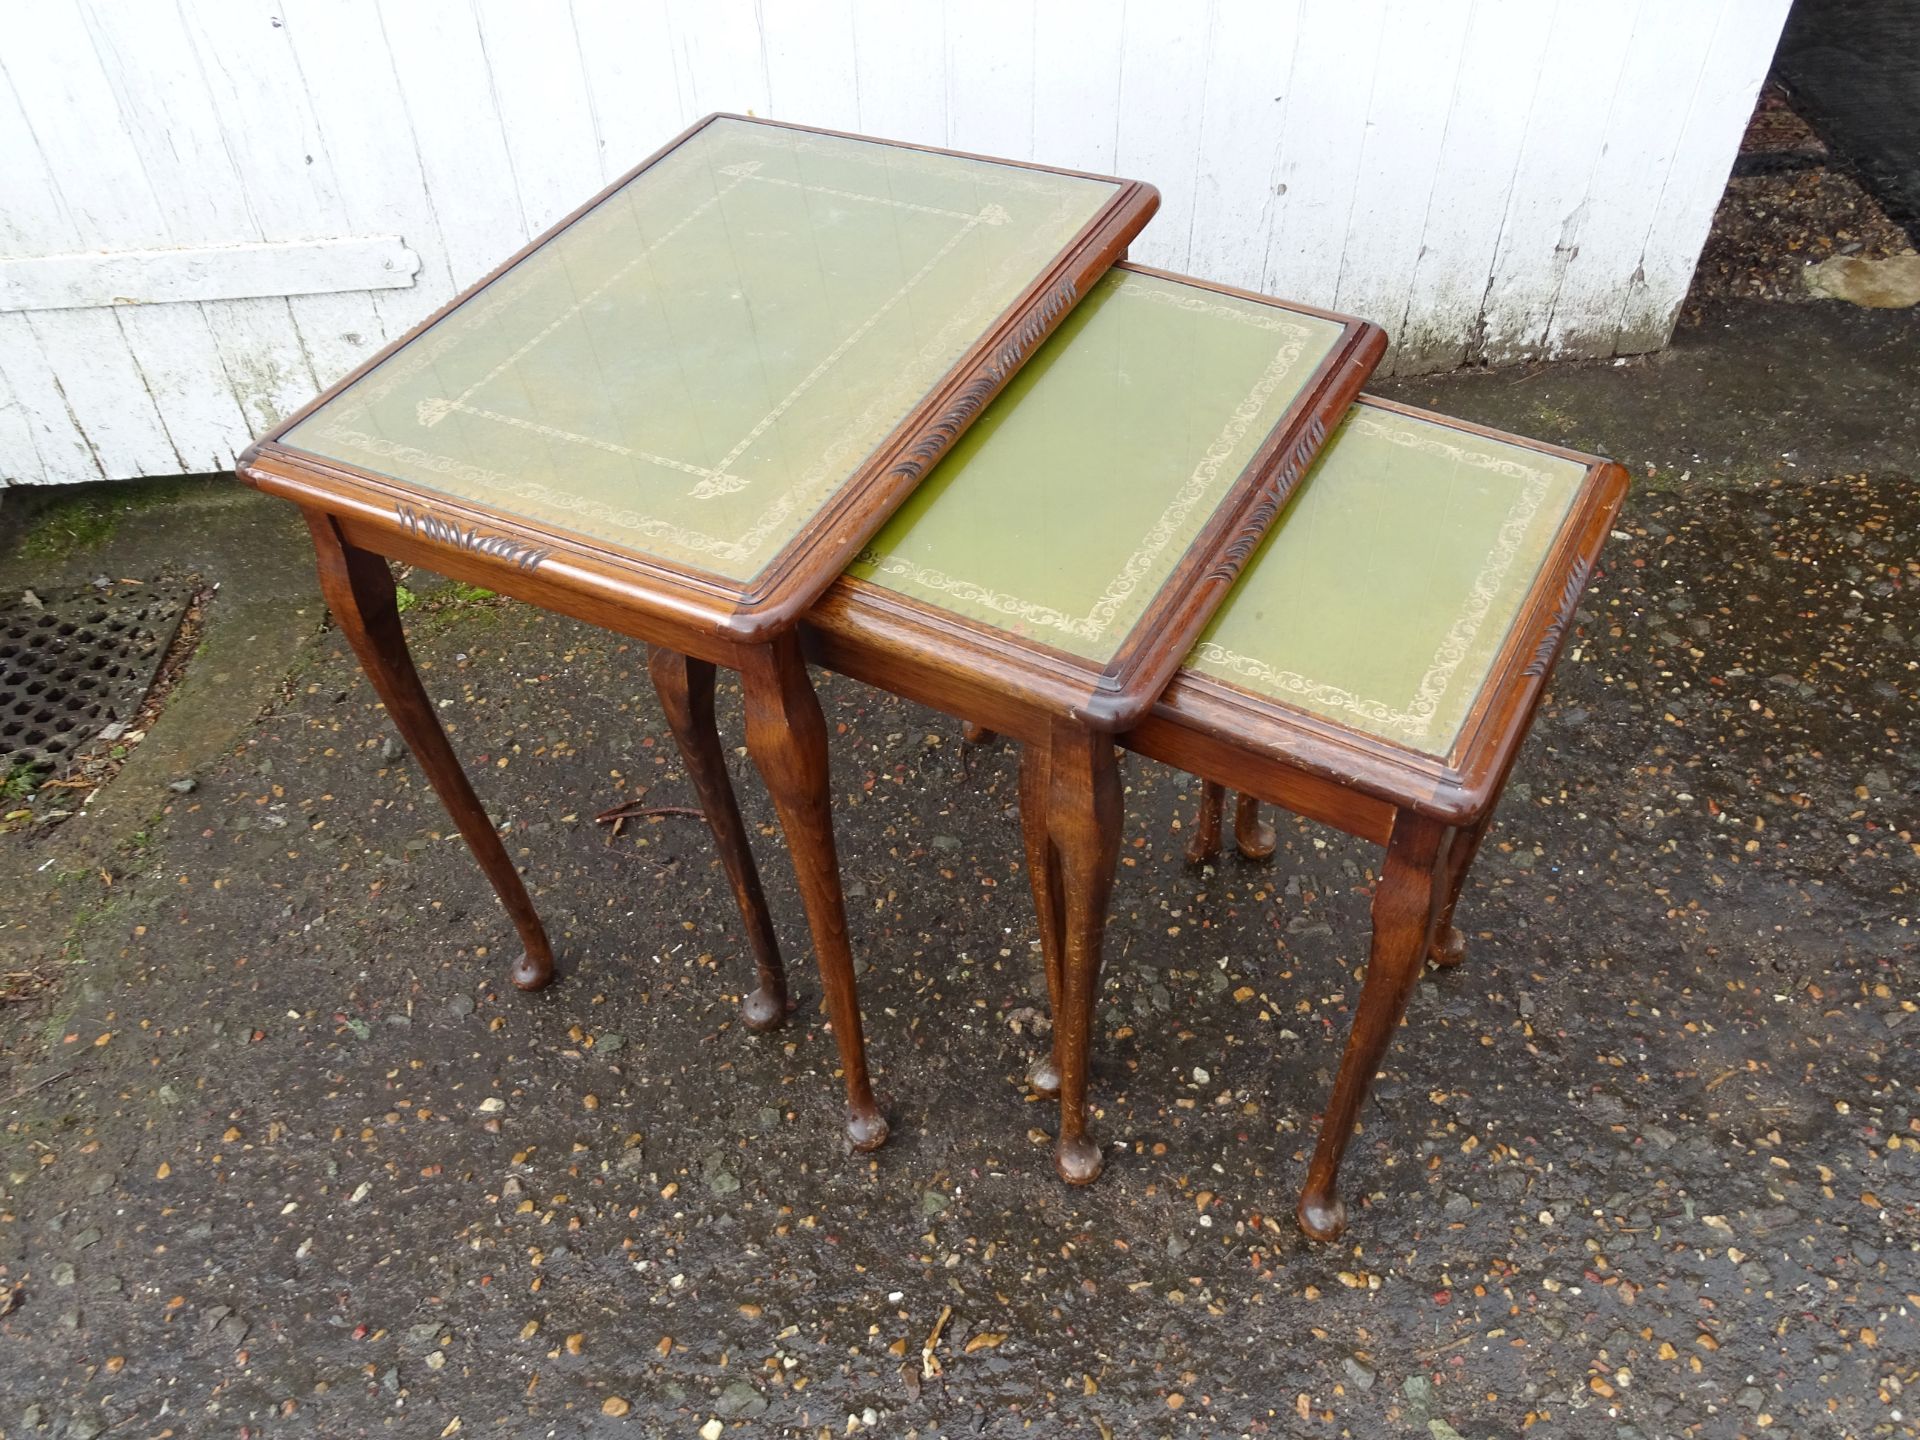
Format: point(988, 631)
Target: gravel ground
point(1799, 208)
point(1771, 227)
point(282, 1154)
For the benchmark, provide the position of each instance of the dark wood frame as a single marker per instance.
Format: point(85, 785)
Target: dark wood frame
point(691, 620)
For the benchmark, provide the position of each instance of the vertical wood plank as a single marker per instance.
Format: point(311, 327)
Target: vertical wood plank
point(100, 380)
point(1416, 72)
point(811, 75)
point(58, 452)
point(718, 56)
point(1666, 60)
point(1248, 73)
point(1319, 161)
point(989, 77)
point(196, 192)
point(1163, 94)
point(341, 51)
point(434, 46)
point(1484, 131)
point(1579, 77)
point(1076, 85)
point(626, 48)
point(900, 66)
point(20, 462)
point(541, 91)
point(1716, 117)
point(268, 125)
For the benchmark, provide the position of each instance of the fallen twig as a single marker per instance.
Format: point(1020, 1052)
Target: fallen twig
point(27, 1090)
point(633, 810)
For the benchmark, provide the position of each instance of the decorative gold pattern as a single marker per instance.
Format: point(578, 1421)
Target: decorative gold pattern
point(1413, 719)
point(1202, 482)
point(1045, 209)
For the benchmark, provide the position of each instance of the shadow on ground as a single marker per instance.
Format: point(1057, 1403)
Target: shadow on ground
point(284, 1154)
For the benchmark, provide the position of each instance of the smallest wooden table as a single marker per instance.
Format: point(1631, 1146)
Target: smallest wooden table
point(1377, 669)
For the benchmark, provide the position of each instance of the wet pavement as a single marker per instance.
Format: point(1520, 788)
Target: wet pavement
point(284, 1154)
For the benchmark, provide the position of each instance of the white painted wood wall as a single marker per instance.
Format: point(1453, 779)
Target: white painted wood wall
point(1490, 179)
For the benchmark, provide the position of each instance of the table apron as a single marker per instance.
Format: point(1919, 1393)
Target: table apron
point(961, 693)
point(541, 588)
point(1265, 777)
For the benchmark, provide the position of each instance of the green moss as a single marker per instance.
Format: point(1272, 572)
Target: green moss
point(22, 779)
point(87, 517)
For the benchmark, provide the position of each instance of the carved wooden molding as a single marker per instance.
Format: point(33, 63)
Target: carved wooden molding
point(466, 537)
point(1260, 518)
point(939, 434)
point(1562, 617)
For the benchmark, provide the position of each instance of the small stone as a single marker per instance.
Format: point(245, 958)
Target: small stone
point(1891, 284)
point(184, 786)
point(933, 1202)
point(1359, 1374)
point(712, 1430)
point(723, 1182)
point(615, 1406)
point(740, 1401)
point(391, 749)
point(611, 1043)
point(492, 1105)
point(461, 1005)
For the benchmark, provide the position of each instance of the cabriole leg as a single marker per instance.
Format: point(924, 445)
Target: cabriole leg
point(1205, 843)
point(787, 737)
point(1449, 946)
point(360, 592)
point(1043, 873)
point(1252, 836)
point(685, 688)
point(1403, 916)
point(1083, 829)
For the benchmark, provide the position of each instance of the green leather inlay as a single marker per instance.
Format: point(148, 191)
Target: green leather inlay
point(695, 367)
point(1065, 508)
point(1383, 594)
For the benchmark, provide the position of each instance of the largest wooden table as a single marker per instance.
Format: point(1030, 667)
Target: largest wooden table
point(677, 415)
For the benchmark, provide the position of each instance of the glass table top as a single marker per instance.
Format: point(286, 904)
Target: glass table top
point(1059, 515)
point(1382, 595)
point(698, 364)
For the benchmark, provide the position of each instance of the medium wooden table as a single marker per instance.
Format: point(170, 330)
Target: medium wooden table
point(1049, 576)
point(677, 415)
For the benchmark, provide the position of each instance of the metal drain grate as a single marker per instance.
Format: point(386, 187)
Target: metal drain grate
point(78, 661)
